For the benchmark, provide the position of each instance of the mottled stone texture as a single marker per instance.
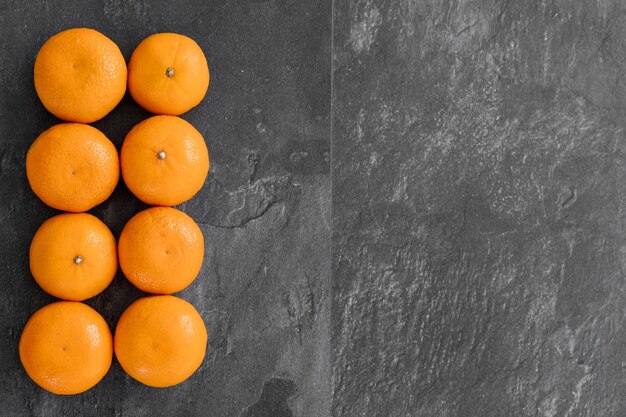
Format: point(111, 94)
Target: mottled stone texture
point(479, 191)
point(265, 208)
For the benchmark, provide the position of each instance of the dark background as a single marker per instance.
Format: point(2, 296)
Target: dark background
point(264, 210)
point(479, 202)
point(477, 223)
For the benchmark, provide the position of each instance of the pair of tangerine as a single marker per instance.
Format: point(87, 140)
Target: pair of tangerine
point(74, 256)
point(74, 167)
point(80, 75)
point(66, 347)
point(167, 74)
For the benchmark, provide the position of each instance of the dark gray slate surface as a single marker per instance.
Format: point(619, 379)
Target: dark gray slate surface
point(479, 191)
point(265, 209)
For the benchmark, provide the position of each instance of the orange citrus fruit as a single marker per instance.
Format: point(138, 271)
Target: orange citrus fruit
point(168, 74)
point(66, 347)
point(72, 167)
point(161, 250)
point(80, 75)
point(164, 160)
point(160, 340)
point(73, 256)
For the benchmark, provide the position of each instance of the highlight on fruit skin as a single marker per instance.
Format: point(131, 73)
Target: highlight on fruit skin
point(73, 256)
point(164, 160)
point(66, 347)
point(160, 340)
point(168, 74)
point(72, 167)
point(80, 75)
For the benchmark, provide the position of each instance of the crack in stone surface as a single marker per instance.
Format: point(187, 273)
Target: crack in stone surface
point(225, 209)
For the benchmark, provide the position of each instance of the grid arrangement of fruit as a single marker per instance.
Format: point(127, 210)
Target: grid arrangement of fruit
point(80, 75)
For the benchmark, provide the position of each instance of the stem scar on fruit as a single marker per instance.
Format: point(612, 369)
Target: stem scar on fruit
point(161, 155)
point(169, 72)
point(78, 259)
